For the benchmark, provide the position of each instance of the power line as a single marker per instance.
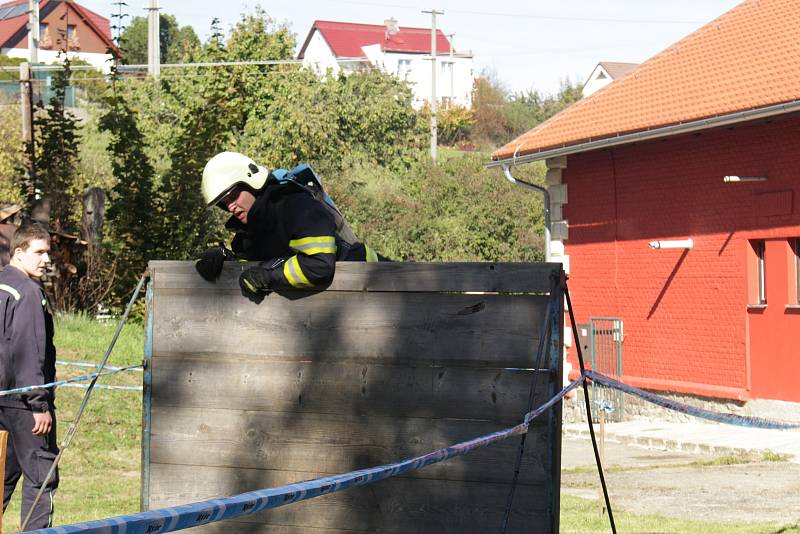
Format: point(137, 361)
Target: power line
point(123, 68)
point(529, 16)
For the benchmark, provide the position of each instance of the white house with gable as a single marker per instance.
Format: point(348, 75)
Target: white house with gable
point(404, 52)
point(604, 73)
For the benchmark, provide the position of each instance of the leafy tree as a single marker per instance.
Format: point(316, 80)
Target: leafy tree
point(131, 214)
point(11, 151)
point(500, 117)
point(258, 37)
point(525, 110)
point(364, 114)
point(182, 43)
point(55, 180)
point(359, 131)
point(488, 99)
point(454, 211)
point(91, 83)
point(176, 41)
point(455, 124)
point(6, 61)
point(209, 116)
point(12, 148)
point(280, 131)
point(56, 155)
point(376, 117)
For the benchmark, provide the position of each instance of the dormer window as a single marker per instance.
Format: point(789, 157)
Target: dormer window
point(44, 36)
point(72, 37)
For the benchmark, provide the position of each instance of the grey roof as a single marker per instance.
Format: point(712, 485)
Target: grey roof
point(9, 12)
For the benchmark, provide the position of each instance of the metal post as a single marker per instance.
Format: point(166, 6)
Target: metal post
point(26, 101)
point(3, 448)
point(33, 31)
point(434, 142)
point(602, 455)
point(546, 200)
point(452, 69)
point(153, 40)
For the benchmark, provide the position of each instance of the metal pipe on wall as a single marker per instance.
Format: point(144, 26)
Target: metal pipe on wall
point(546, 194)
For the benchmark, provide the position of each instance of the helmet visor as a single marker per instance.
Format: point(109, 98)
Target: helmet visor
point(227, 196)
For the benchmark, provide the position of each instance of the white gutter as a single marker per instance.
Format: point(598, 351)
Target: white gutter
point(675, 129)
point(546, 201)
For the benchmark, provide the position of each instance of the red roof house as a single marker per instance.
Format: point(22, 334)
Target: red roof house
point(63, 25)
point(698, 143)
point(346, 46)
point(347, 39)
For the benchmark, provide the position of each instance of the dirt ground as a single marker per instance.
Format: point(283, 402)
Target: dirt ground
point(646, 481)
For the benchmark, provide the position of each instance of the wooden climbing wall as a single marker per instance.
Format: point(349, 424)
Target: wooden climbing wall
point(391, 361)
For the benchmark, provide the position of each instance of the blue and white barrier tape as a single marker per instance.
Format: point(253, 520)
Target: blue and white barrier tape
point(94, 365)
point(81, 378)
point(200, 513)
point(727, 418)
point(102, 386)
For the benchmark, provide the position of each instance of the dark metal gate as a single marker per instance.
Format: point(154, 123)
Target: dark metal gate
point(605, 349)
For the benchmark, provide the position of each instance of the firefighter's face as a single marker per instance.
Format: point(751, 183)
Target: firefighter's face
point(33, 261)
point(238, 202)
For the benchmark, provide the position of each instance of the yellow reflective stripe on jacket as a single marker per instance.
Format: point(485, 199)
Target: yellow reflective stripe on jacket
point(371, 256)
point(8, 289)
point(325, 244)
point(294, 274)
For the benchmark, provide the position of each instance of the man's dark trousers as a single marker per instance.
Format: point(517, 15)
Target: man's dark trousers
point(31, 456)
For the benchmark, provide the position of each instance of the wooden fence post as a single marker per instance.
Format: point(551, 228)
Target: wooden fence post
point(3, 443)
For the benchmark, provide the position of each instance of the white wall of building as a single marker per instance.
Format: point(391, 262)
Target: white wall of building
point(319, 56)
point(48, 57)
point(599, 78)
point(454, 76)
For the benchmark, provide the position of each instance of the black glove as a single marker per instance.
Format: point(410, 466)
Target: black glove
point(209, 264)
point(254, 283)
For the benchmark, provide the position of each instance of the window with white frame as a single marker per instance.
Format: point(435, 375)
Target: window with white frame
point(447, 68)
point(796, 250)
point(760, 249)
point(403, 68)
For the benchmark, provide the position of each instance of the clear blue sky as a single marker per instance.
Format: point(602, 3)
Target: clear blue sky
point(528, 45)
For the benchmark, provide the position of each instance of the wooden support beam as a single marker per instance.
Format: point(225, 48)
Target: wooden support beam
point(3, 450)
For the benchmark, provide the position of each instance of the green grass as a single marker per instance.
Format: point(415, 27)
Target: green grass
point(100, 470)
point(744, 458)
point(583, 516)
point(727, 459)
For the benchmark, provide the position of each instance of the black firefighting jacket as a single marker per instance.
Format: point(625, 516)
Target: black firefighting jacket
point(295, 236)
point(27, 354)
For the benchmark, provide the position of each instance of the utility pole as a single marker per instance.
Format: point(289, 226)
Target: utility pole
point(153, 40)
point(452, 68)
point(26, 96)
point(33, 31)
point(433, 13)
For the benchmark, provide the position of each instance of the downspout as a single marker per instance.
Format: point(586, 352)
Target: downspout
point(546, 193)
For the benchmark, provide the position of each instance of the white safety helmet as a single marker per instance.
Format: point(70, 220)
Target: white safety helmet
point(227, 169)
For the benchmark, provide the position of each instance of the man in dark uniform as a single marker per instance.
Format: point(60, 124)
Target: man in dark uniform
point(284, 220)
point(28, 358)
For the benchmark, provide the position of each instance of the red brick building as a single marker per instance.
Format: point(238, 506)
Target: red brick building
point(645, 160)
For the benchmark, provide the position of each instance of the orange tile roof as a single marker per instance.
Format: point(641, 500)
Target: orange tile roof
point(746, 59)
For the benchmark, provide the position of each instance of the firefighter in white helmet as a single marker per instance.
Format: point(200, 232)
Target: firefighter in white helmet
point(283, 219)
